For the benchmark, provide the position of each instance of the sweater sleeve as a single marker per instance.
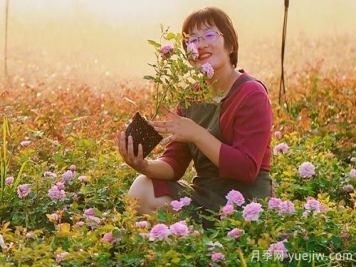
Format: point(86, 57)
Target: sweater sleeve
point(249, 133)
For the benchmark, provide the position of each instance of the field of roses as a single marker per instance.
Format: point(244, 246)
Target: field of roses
point(63, 185)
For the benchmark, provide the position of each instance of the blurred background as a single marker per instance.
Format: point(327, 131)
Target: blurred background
point(100, 42)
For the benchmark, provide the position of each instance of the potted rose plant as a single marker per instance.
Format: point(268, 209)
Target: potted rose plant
point(176, 80)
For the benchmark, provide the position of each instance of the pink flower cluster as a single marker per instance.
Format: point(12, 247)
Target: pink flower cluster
point(313, 206)
point(283, 206)
point(352, 173)
point(161, 231)
point(306, 170)
point(177, 205)
point(23, 190)
point(280, 148)
point(57, 192)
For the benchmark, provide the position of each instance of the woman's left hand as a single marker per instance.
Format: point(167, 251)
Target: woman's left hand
point(179, 129)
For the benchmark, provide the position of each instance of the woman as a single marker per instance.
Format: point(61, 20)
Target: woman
point(229, 143)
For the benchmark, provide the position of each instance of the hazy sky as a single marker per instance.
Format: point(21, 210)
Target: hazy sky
point(117, 31)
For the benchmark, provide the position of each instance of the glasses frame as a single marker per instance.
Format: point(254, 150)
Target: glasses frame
point(202, 37)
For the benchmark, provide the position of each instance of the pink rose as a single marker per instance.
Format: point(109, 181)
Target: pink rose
point(217, 256)
point(235, 197)
point(306, 170)
point(23, 190)
point(274, 203)
point(110, 238)
point(166, 50)
point(226, 210)
point(177, 205)
point(287, 207)
point(280, 148)
point(179, 228)
point(208, 70)
point(159, 231)
point(56, 193)
point(9, 180)
point(251, 212)
point(235, 233)
point(142, 224)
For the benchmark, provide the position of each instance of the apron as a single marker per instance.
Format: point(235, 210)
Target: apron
point(208, 190)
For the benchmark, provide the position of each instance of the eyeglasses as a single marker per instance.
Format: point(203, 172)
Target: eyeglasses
point(207, 36)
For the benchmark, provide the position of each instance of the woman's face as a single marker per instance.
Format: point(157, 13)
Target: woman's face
point(210, 45)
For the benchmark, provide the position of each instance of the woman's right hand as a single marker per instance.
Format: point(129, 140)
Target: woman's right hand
point(138, 163)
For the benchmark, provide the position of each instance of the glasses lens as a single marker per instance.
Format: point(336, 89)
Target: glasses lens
point(193, 40)
point(210, 36)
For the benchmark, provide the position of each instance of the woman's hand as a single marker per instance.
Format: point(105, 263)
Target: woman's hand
point(179, 128)
point(138, 163)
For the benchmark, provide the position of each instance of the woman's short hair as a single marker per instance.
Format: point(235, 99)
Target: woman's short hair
point(213, 16)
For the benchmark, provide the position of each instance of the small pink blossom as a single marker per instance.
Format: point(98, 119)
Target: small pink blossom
point(75, 197)
point(9, 180)
point(142, 224)
point(278, 249)
point(179, 228)
point(306, 170)
point(227, 210)
point(110, 238)
point(177, 205)
point(68, 176)
point(278, 134)
point(166, 50)
point(25, 143)
point(61, 256)
point(23, 190)
point(352, 173)
point(235, 197)
point(217, 256)
point(235, 233)
point(251, 211)
point(280, 148)
point(159, 231)
point(29, 235)
point(89, 212)
point(274, 203)
point(348, 188)
point(193, 51)
point(208, 70)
